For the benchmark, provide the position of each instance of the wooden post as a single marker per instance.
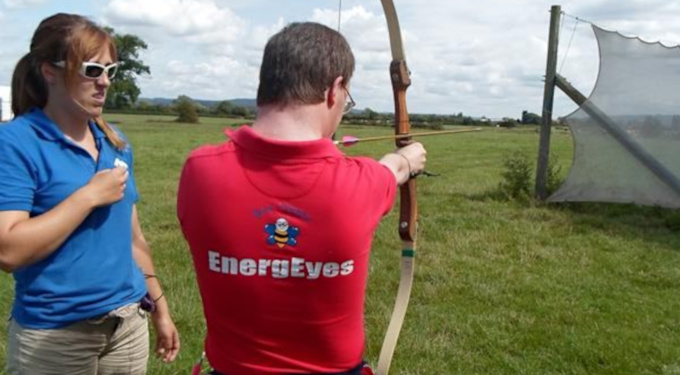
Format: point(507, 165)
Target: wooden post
point(548, 95)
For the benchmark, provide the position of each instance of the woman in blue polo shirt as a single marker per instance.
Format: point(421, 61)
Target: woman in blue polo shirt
point(69, 231)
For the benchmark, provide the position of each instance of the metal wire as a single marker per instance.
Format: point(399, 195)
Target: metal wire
point(566, 53)
point(578, 18)
point(339, 13)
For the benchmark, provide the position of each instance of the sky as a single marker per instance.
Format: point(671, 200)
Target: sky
point(481, 58)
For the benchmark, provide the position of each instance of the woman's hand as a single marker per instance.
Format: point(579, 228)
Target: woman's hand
point(107, 186)
point(167, 337)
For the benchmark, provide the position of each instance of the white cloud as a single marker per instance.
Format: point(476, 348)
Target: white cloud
point(488, 58)
point(199, 21)
point(205, 80)
point(197, 48)
point(479, 58)
point(18, 4)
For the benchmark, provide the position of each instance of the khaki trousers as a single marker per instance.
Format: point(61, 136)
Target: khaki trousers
point(116, 343)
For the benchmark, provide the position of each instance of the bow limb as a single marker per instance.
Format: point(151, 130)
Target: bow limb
point(399, 75)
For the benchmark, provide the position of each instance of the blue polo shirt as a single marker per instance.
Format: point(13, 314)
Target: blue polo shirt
point(93, 271)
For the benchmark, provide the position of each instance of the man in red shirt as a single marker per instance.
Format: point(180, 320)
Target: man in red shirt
point(280, 222)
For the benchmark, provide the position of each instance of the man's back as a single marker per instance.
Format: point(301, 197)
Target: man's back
point(280, 234)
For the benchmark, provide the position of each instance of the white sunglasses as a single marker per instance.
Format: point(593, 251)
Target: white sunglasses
point(93, 70)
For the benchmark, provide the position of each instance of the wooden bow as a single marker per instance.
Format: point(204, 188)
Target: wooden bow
point(400, 77)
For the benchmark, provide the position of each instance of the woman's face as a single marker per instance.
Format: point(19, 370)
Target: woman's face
point(89, 94)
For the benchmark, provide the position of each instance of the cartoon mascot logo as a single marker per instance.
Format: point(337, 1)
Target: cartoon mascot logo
point(281, 233)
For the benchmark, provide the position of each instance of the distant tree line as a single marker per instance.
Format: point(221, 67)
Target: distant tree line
point(433, 121)
point(527, 118)
point(429, 121)
point(189, 110)
point(184, 104)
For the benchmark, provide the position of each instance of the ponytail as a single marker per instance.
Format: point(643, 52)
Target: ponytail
point(111, 134)
point(28, 86)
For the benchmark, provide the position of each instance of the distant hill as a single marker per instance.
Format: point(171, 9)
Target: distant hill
point(248, 103)
point(156, 101)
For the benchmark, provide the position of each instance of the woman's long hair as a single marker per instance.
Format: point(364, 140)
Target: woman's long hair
point(62, 37)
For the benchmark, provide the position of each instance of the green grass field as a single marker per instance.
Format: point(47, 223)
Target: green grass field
point(502, 287)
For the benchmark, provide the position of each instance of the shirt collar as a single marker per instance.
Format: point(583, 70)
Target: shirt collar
point(50, 131)
point(248, 139)
point(97, 132)
point(43, 125)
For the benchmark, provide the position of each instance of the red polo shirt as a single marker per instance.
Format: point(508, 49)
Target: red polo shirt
point(280, 234)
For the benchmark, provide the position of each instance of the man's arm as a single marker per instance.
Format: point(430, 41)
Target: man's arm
point(406, 161)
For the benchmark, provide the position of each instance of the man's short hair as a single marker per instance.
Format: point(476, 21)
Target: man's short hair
point(300, 62)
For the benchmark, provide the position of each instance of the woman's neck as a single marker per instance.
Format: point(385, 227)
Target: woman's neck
point(74, 126)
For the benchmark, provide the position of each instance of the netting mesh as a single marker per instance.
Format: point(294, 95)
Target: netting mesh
point(627, 134)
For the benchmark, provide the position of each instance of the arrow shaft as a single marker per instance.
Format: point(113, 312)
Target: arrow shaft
point(401, 136)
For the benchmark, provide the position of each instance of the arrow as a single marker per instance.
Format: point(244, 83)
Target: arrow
point(348, 140)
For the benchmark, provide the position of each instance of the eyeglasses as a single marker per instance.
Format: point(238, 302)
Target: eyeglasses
point(93, 70)
point(348, 104)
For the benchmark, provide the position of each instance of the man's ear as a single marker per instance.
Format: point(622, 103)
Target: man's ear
point(48, 72)
point(333, 91)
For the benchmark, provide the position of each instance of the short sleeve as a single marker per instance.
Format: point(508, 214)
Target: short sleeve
point(184, 189)
point(390, 188)
point(379, 183)
point(17, 177)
